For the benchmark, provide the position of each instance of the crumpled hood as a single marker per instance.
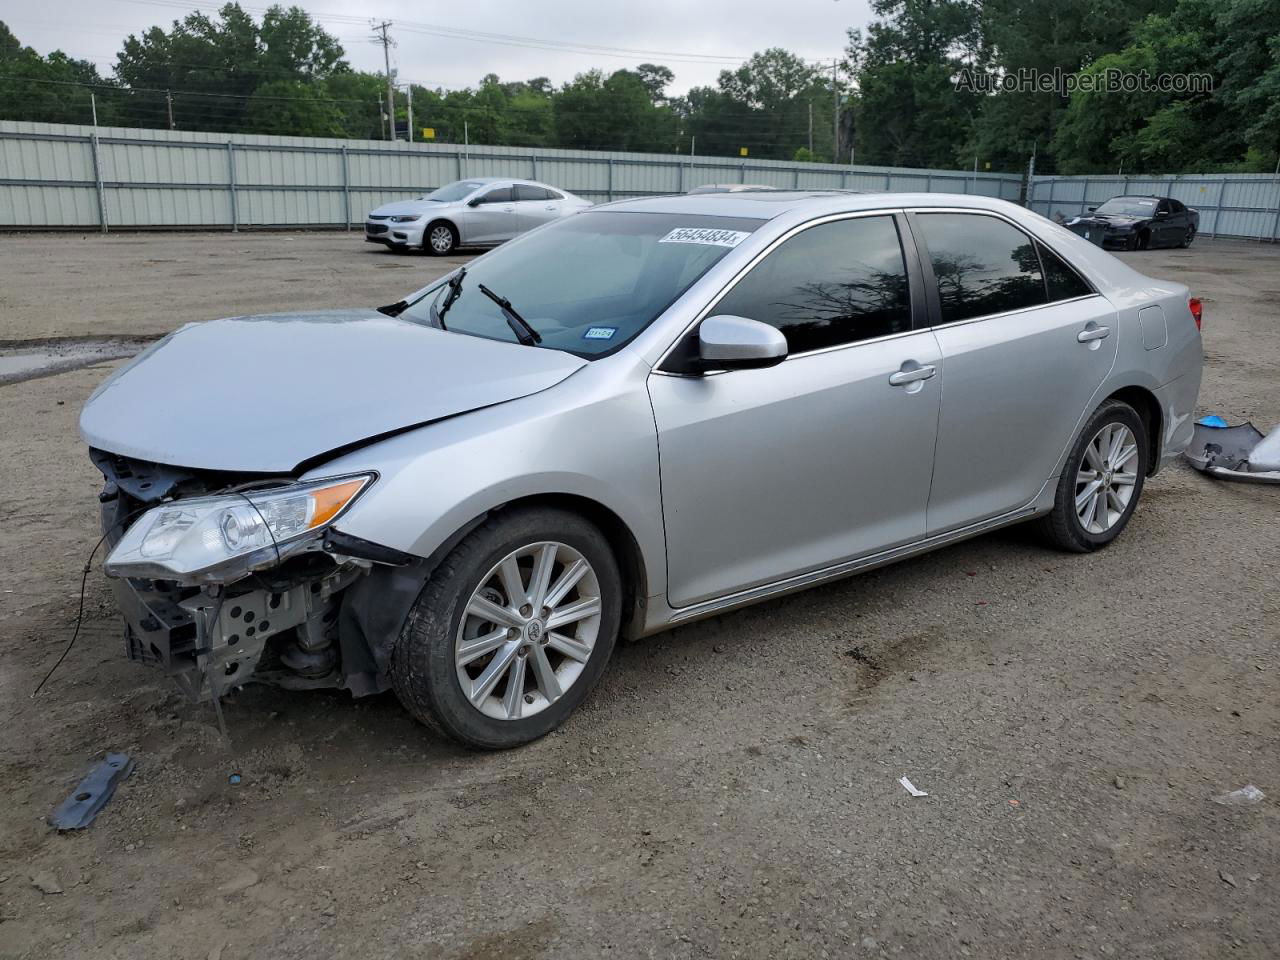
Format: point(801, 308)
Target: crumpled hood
point(263, 394)
point(410, 207)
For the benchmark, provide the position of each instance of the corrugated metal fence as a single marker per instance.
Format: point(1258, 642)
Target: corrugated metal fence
point(58, 175)
point(1230, 205)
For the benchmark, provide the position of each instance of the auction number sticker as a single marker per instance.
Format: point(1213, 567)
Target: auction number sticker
point(714, 238)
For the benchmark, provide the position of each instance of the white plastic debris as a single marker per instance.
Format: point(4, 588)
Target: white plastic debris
point(1243, 797)
point(911, 788)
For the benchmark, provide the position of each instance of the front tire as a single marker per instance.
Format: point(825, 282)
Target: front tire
point(1101, 481)
point(512, 631)
point(1188, 237)
point(440, 238)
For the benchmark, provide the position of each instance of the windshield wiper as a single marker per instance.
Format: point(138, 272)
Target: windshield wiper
point(455, 291)
point(518, 324)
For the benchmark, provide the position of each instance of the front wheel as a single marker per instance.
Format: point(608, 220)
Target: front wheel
point(512, 631)
point(1188, 237)
point(440, 239)
point(1101, 481)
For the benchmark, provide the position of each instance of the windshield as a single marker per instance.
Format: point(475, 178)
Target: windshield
point(454, 191)
point(1129, 207)
point(588, 283)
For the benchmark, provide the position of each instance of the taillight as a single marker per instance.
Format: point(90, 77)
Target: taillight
point(1196, 310)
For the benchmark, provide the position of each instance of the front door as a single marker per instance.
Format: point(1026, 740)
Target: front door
point(1025, 344)
point(775, 472)
point(494, 219)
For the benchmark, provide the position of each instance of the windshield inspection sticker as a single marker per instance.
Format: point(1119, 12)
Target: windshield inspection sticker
point(714, 238)
point(599, 333)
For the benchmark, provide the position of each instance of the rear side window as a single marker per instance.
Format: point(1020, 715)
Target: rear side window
point(525, 191)
point(982, 265)
point(832, 284)
point(1061, 280)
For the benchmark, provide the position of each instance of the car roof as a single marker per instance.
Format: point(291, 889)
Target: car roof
point(769, 205)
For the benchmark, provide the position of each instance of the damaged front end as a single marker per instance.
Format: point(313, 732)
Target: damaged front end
point(226, 578)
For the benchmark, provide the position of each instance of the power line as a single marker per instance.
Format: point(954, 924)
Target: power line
point(478, 36)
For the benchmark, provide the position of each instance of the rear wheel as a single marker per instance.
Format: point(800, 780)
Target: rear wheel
point(441, 239)
point(512, 630)
point(1101, 481)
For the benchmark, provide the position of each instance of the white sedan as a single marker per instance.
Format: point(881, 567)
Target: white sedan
point(479, 212)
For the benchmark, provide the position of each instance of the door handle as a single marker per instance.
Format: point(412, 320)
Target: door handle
point(904, 377)
point(1091, 332)
point(549, 207)
point(507, 209)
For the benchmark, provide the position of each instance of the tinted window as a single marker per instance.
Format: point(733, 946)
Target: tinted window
point(982, 265)
point(1178, 206)
point(1063, 282)
point(1164, 207)
point(552, 195)
point(835, 283)
point(526, 191)
point(500, 195)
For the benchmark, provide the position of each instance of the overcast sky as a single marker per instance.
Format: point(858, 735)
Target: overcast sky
point(699, 29)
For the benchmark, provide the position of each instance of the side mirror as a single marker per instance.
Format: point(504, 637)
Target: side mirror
point(1091, 209)
point(735, 343)
point(1162, 214)
point(475, 201)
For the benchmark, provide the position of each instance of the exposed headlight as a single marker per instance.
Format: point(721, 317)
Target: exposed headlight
point(406, 218)
point(220, 539)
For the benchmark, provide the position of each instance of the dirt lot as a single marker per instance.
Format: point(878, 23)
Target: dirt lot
point(731, 789)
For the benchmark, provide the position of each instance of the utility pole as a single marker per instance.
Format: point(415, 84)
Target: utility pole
point(381, 30)
point(835, 111)
point(408, 91)
point(168, 99)
point(810, 128)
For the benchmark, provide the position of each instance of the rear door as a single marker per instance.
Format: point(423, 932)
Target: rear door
point(535, 205)
point(775, 472)
point(493, 219)
point(1025, 344)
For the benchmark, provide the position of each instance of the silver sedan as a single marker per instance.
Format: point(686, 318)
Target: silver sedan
point(480, 212)
point(658, 410)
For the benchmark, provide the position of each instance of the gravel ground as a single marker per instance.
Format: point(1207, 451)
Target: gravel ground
point(731, 788)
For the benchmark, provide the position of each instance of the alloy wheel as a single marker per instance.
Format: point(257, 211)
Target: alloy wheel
point(528, 630)
point(1106, 478)
point(441, 238)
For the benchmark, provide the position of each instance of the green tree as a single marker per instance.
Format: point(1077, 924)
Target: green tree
point(909, 111)
point(52, 89)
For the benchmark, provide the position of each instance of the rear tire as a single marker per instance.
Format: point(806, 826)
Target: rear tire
point(1101, 481)
point(482, 598)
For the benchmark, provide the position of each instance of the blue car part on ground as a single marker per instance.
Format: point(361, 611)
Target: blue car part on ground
point(91, 795)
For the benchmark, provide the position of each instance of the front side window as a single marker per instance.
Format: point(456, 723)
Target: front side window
point(589, 283)
point(982, 265)
point(500, 195)
point(832, 284)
